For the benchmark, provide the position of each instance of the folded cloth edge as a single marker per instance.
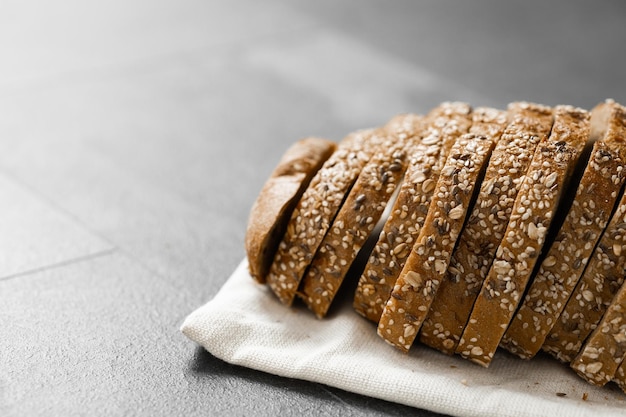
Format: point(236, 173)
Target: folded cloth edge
point(244, 325)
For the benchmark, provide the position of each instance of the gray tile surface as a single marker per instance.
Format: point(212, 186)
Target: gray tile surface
point(36, 237)
point(134, 136)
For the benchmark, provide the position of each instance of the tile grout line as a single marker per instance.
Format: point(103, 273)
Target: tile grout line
point(54, 205)
point(88, 257)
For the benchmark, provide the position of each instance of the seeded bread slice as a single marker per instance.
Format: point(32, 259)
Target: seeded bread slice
point(620, 375)
point(595, 290)
point(588, 216)
point(455, 121)
point(425, 267)
point(443, 125)
point(406, 125)
point(534, 208)
point(354, 222)
point(315, 212)
point(604, 350)
point(516, 143)
point(273, 207)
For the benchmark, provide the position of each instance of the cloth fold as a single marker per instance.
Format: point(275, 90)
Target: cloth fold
point(246, 325)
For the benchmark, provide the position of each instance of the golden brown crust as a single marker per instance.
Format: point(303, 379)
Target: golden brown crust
point(419, 280)
point(273, 207)
point(315, 211)
point(443, 125)
point(567, 257)
point(604, 350)
point(525, 235)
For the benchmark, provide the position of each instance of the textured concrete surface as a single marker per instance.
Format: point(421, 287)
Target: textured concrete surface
point(134, 136)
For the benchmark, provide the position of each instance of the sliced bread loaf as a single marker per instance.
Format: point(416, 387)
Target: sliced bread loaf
point(427, 263)
point(533, 211)
point(588, 215)
point(470, 262)
point(442, 126)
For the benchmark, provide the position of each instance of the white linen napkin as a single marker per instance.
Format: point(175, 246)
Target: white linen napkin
point(246, 325)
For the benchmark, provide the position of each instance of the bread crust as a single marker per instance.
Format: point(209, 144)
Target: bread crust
point(427, 263)
point(593, 293)
point(567, 257)
point(604, 350)
point(272, 209)
point(443, 125)
point(315, 212)
point(532, 213)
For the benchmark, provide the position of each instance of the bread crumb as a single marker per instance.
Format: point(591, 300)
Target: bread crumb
point(585, 396)
point(464, 382)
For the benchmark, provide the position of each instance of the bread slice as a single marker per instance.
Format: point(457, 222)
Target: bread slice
point(406, 125)
point(316, 210)
point(451, 126)
point(273, 207)
point(620, 376)
point(534, 208)
point(443, 125)
point(427, 263)
point(469, 264)
point(593, 293)
point(588, 215)
point(354, 222)
point(604, 350)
